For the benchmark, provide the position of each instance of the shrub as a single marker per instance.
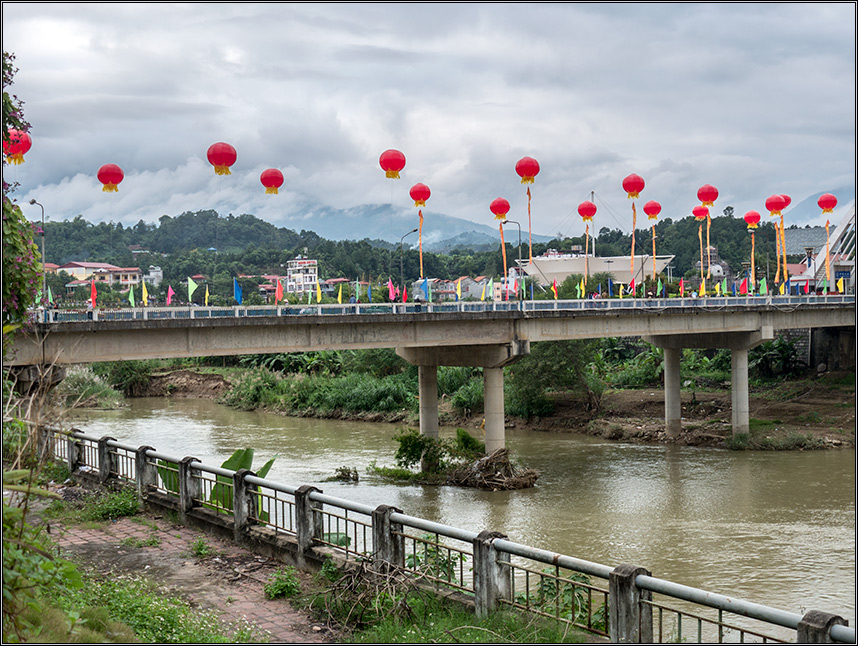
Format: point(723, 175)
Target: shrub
point(283, 583)
point(131, 378)
point(468, 399)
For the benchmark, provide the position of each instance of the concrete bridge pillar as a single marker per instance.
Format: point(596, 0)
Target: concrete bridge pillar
point(741, 417)
point(672, 393)
point(491, 358)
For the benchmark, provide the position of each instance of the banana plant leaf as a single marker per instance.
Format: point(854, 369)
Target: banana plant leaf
point(169, 476)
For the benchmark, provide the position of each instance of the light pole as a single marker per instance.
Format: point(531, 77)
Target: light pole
point(519, 245)
point(401, 269)
point(44, 271)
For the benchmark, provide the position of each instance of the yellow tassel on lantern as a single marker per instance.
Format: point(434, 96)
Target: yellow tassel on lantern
point(634, 195)
point(419, 202)
point(18, 158)
point(527, 179)
point(824, 211)
point(222, 170)
point(110, 188)
point(392, 174)
point(271, 190)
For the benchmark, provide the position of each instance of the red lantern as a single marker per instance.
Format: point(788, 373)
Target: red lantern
point(527, 168)
point(500, 207)
point(18, 144)
point(420, 193)
point(707, 194)
point(110, 175)
point(787, 200)
point(587, 210)
point(752, 219)
point(633, 185)
point(391, 162)
point(700, 212)
point(775, 204)
point(221, 156)
point(652, 209)
point(827, 202)
point(271, 179)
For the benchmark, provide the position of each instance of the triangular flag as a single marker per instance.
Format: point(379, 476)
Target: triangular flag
point(278, 292)
point(93, 293)
point(621, 290)
point(717, 289)
point(660, 286)
point(318, 292)
point(207, 295)
point(724, 287)
point(404, 294)
point(823, 286)
point(340, 295)
point(840, 285)
point(734, 288)
point(236, 291)
point(578, 291)
point(764, 289)
point(583, 288)
point(492, 288)
point(192, 287)
point(743, 286)
point(131, 297)
point(781, 289)
point(483, 295)
point(703, 287)
point(610, 288)
point(51, 296)
point(390, 293)
point(554, 289)
point(369, 293)
point(170, 294)
point(807, 287)
point(459, 289)
point(145, 295)
point(632, 287)
point(681, 287)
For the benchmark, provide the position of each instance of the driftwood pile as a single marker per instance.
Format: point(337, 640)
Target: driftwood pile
point(493, 472)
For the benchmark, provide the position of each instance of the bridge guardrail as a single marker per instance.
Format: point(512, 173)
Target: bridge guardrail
point(194, 312)
point(624, 603)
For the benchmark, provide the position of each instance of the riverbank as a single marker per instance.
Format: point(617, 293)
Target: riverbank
point(813, 412)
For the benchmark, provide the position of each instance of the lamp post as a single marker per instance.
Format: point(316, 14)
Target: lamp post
point(401, 267)
point(519, 244)
point(44, 271)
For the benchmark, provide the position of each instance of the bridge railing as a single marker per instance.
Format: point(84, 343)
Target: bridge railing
point(625, 603)
point(195, 312)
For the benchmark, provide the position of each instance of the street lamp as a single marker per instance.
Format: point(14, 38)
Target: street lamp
point(44, 271)
point(519, 245)
point(401, 270)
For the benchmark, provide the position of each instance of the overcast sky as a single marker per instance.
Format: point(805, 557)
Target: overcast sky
point(755, 99)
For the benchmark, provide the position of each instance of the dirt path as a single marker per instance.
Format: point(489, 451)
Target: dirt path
point(230, 581)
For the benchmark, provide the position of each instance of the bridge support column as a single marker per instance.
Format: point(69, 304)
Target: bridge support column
point(494, 409)
point(427, 388)
point(741, 417)
point(672, 394)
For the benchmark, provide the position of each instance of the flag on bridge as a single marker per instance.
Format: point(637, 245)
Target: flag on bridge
point(840, 285)
point(318, 292)
point(632, 287)
point(51, 296)
point(807, 287)
point(764, 289)
point(681, 287)
point(390, 293)
point(610, 288)
point(170, 294)
point(743, 286)
point(207, 294)
point(236, 291)
point(278, 292)
point(369, 292)
point(192, 286)
point(131, 297)
point(145, 294)
point(340, 295)
point(93, 293)
point(483, 295)
point(491, 289)
point(404, 294)
point(724, 287)
point(554, 289)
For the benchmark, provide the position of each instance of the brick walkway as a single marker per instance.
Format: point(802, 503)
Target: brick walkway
point(230, 581)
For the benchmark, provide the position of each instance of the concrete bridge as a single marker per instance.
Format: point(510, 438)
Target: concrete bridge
point(487, 335)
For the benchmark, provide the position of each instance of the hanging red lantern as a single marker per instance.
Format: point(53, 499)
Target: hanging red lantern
point(110, 175)
point(17, 146)
point(221, 156)
point(827, 202)
point(787, 200)
point(391, 162)
point(420, 193)
point(527, 168)
point(700, 212)
point(271, 179)
point(587, 210)
point(652, 209)
point(707, 194)
point(633, 185)
point(752, 219)
point(775, 204)
point(500, 207)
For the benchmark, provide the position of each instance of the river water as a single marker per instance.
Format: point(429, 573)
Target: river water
point(777, 528)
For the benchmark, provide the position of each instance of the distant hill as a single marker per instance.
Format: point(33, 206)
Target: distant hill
point(808, 212)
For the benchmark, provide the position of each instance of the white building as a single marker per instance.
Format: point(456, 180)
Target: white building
point(302, 274)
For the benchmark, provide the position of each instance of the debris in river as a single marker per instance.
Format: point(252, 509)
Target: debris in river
point(493, 472)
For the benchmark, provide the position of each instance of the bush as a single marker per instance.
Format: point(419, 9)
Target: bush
point(83, 387)
point(131, 378)
point(468, 399)
point(283, 583)
point(252, 389)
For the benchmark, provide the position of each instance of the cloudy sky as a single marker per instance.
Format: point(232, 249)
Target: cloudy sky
point(755, 99)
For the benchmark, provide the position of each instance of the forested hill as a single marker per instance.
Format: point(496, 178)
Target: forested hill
point(247, 244)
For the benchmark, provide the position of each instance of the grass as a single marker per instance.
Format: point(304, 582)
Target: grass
point(95, 506)
point(201, 548)
point(132, 541)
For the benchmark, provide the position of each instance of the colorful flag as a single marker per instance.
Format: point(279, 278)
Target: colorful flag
point(621, 290)
point(724, 287)
point(743, 286)
point(93, 293)
point(703, 287)
point(459, 290)
point(145, 295)
point(823, 286)
point(309, 296)
point(840, 285)
point(318, 292)
point(734, 288)
point(554, 289)
point(207, 295)
point(340, 295)
point(578, 291)
point(632, 287)
point(131, 297)
point(278, 292)
point(426, 288)
point(369, 293)
point(170, 294)
point(192, 287)
point(807, 287)
point(390, 293)
point(357, 290)
point(492, 288)
point(717, 289)
point(51, 296)
point(483, 295)
point(764, 289)
point(788, 286)
point(681, 287)
point(781, 289)
point(583, 288)
point(610, 288)
point(404, 294)
point(236, 291)
point(660, 287)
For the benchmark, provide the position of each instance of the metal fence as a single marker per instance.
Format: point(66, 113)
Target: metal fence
point(624, 603)
point(612, 304)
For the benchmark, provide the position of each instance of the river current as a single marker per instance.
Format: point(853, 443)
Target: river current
point(777, 528)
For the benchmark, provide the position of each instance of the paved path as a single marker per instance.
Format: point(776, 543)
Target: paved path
point(230, 581)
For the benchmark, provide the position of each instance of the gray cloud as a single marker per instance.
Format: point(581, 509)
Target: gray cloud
point(753, 98)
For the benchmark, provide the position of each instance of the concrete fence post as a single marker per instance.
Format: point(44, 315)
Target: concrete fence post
point(630, 619)
point(75, 449)
point(814, 627)
point(189, 487)
point(492, 574)
point(243, 503)
point(46, 444)
point(147, 473)
point(308, 523)
point(387, 539)
point(106, 459)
